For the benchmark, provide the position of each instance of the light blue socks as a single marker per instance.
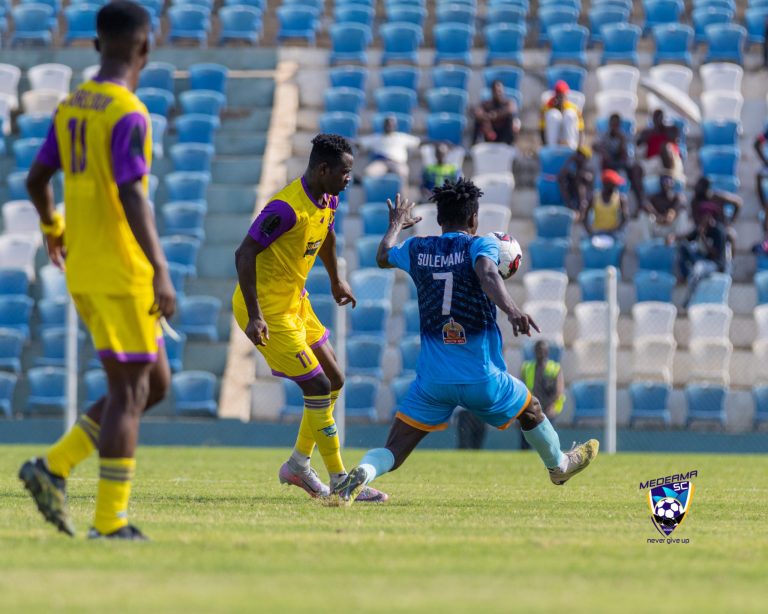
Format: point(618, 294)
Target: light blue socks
point(377, 462)
point(545, 441)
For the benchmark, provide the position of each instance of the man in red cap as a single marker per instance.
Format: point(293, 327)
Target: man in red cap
point(607, 213)
point(561, 120)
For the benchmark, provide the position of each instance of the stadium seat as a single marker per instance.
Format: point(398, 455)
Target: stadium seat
point(618, 77)
point(294, 400)
point(720, 161)
point(553, 222)
point(710, 321)
point(157, 101)
point(349, 43)
point(13, 281)
point(395, 100)
point(366, 251)
point(340, 122)
point(720, 133)
point(592, 284)
point(506, 13)
point(202, 102)
point(198, 317)
point(710, 359)
point(588, 400)
point(400, 387)
point(655, 255)
point(552, 159)
point(497, 188)
point(401, 42)
point(159, 126)
point(654, 286)
point(405, 13)
point(11, 346)
point(20, 218)
point(722, 105)
point(187, 185)
point(650, 402)
point(653, 319)
point(370, 317)
point(550, 316)
point(81, 22)
point(410, 347)
point(548, 254)
point(47, 388)
point(754, 19)
point(24, 152)
point(400, 76)
point(372, 284)
point(706, 402)
point(451, 75)
point(207, 76)
point(354, 13)
point(299, 22)
point(54, 344)
point(95, 386)
point(7, 387)
point(194, 392)
point(9, 84)
point(32, 24)
point(349, 76)
point(662, 12)
point(18, 252)
point(455, 12)
point(196, 128)
point(673, 43)
point(760, 397)
point(713, 289)
point(364, 355)
point(545, 285)
point(761, 286)
point(53, 282)
point(574, 76)
point(599, 257)
point(721, 76)
point(52, 312)
point(569, 44)
point(492, 158)
point(375, 218)
point(158, 75)
point(175, 349)
point(379, 189)
point(411, 316)
point(347, 99)
point(317, 281)
point(505, 42)
point(447, 100)
point(624, 102)
point(240, 23)
point(553, 15)
point(195, 157)
point(620, 43)
point(705, 16)
point(453, 43)
point(33, 126)
point(182, 251)
point(188, 22)
point(725, 43)
point(493, 218)
point(602, 15)
point(184, 218)
point(447, 127)
point(361, 393)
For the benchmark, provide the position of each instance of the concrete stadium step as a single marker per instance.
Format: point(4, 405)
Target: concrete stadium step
point(237, 170)
point(217, 260)
point(240, 140)
point(231, 199)
point(220, 287)
point(228, 229)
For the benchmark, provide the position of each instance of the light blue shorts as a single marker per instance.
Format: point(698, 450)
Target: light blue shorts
point(498, 401)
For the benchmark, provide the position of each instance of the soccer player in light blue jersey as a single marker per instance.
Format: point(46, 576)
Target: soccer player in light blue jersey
point(459, 290)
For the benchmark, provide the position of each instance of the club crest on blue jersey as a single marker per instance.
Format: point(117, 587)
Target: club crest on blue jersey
point(669, 505)
point(453, 333)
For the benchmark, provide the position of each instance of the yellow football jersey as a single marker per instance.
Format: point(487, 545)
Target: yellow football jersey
point(292, 227)
point(101, 137)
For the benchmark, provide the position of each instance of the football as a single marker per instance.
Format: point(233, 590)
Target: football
point(510, 254)
point(667, 510)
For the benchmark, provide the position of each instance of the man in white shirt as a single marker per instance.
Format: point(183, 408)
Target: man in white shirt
point(389, 151)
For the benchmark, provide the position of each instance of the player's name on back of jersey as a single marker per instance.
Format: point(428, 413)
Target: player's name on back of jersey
point(440, 260)
point(94, 101)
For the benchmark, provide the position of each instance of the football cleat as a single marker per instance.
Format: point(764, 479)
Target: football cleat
point(579, 457)
point(353, 489)
point(49, 492)
point(307, 481)
point(126, 533)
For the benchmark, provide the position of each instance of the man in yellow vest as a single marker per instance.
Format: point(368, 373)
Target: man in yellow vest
point(608, 212)
point(544, 378)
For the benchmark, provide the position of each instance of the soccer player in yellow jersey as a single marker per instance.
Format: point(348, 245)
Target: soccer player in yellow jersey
point(117, 274)
point(272, 306)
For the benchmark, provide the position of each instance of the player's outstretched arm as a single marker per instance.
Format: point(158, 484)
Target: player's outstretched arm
point(52, 223)
point(342, 293)
point(400, 218)
point(245, 263)
point(488, 273)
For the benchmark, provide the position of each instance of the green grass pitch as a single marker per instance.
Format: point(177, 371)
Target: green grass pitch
point(463, 532)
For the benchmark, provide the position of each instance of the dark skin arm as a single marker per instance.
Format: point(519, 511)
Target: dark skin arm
point(41, 195)
point(400, 218)
point(245, 263)
point(340, 289)
point(493, 285)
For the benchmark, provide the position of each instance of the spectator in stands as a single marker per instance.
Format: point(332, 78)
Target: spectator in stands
point(544, 378)
point(763, 172)
point(702, 251)
point(436, 174)
point(576, 180)
point(607, 212)
point(389, 151)
point(662, 151)
point(664, 213)
point(725, 206)
point(616, 155)
point(496, 119)
point(561, 120)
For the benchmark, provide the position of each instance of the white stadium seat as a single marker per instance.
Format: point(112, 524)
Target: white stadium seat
point(654, 319)
point(721, 76)
point(50, 77)
point(614, 101)
point(18, 252)
point(722, 105)
point(592, 319)
point(428, 225)
point(20, 217)
point(492, 158)
point(679, 77)
point(497, 188)
point(617, 77)
point(711, 360)
point(545, 286)
point(550, 317)
point(652, 358)
point(761, 320)
point(493, 218)
point(710, 321)
point(41, 101)
point(9, 83)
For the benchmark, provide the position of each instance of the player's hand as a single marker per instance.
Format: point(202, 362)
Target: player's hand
point(522, 323)
point(56, 251)
point(257, 331)
point(165, 294)
point(342, 294)
point(401, 212)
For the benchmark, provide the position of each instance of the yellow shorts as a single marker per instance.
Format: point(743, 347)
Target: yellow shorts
point(292, 339)
point(121, 325)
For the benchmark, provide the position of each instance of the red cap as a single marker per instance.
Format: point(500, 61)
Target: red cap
point(613, 177)
point(561, 87)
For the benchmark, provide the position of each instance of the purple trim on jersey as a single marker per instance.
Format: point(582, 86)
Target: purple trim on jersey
point(128, 356)
point(322, 340)
point(277, 218)
point(49, 151)
point(299, 378)
point(98, 79)
point(128, 161)
point(309, 195)
point(333, 205)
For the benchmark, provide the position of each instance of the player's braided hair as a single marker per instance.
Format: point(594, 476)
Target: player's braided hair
point(456, 201)
point(328, 148)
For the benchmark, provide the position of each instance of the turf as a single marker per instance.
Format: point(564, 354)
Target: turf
point(463, 532)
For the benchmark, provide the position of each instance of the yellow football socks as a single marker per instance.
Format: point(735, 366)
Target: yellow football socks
point(319, 413)
point(305, 442)
point(74, 447)
point(115, 476)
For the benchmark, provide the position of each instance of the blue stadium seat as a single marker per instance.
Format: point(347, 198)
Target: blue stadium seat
point(654, 286)
point(400, 76)
point(713, 289)
point(198, 317)
point(294, 400)
point(404, 122)
point(754, 19)
point(325, 309)
point(548, 254)
point(720, 132)
point(317, 281)
point(175, 350)
point(11, 346)
point(506, 13)
point(395, 100)
point(347, 99)
point(400, 387)
point(194, 392)
point(366, 251)
point(95, 386)
point(455, 12)
point(720, 161)
point(297, 22)
point(573, 75)
point(349, 43)
point(158, 75)
point(202, 102)
point(15, 310)
point(81, 22)
point(318, 5)
point(706, 402)
point(240, 23)
point(505, 42)
point(340, 122)
point(379, 189)
point(592, 284)
point(375, 218)
point(361, 393)
point(552, 160)
point(182, 251)
point(510, 76)
point(620, 43)
point(187, 185)
point(13, 281)
point(411, 316)
point(207, 76)
point(553, 222)
point(451, 75)
point(364, 355)
point(761, 286)
point(355, 13)
point(405, 13)
point(196, 128)
point(673, 43)
point(453, 43)
point(601, 15)
point(53, 281)
point(446, 127)
point(184, 218)
point(662, 12)
point(529, 351)
point(32, 24)
point(157, 101)
point(706, 16)
point(372, 284)
point(370, 317)
point(401, 42)
point(569, 44)
point(599, 257)
point(24, 152)
point(650, 402)
point(656, 255)
point(54, 343)
point(588, 400)
point(47, 388)
point(447, 100)
point(760, 396)
point(348, 76)
point(159, 126)
point(34, 125)
point(195, 157)
point(7, 386)
point(189, 23)
point(553, 15)
point(410, 347)
point(206, 5)
point(53, 312)
point(726, 43)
